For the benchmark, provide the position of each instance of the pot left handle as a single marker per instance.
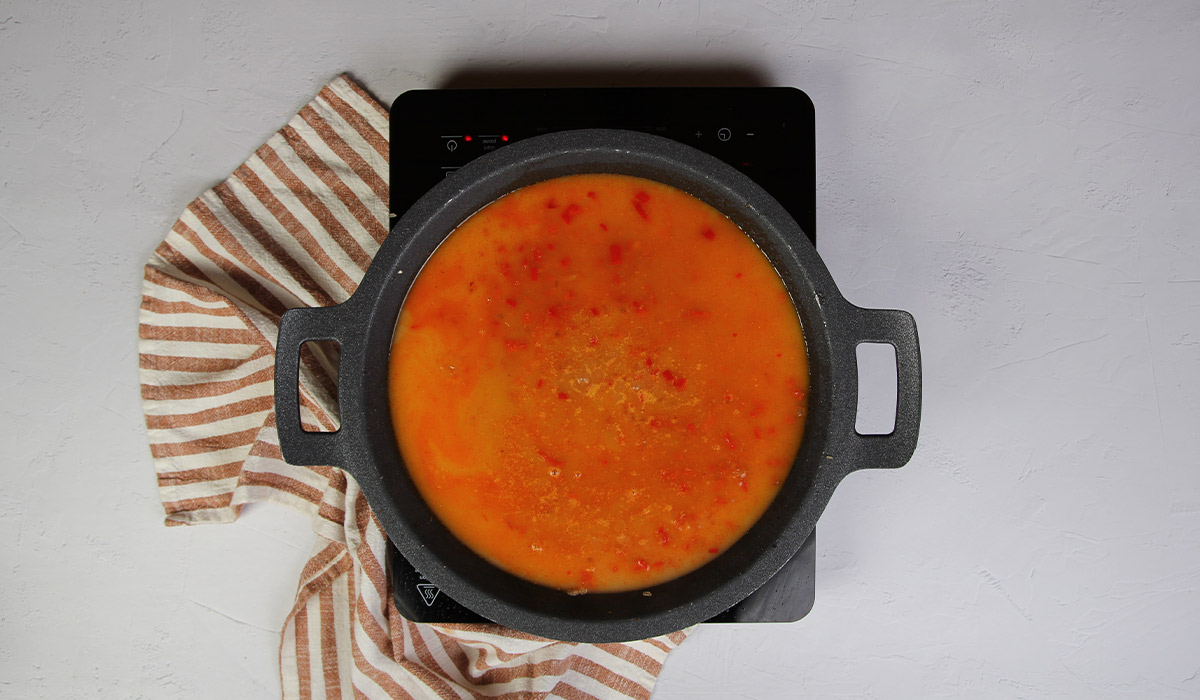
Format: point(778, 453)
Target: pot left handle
point(297, 327)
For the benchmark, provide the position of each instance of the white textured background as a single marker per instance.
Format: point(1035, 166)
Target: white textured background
point(1023, 177)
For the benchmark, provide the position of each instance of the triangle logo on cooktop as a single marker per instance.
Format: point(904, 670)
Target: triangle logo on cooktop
point(429, 592)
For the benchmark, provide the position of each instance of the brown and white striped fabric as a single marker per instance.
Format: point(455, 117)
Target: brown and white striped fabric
point(297, 225)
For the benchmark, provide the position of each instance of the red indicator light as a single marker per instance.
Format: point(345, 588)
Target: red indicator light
point(467, 137)
point(504, 137)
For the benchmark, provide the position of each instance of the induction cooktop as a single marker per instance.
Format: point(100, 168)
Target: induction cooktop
point(766, 132)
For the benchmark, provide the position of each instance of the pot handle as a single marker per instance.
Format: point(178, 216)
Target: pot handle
point(898, 329)
point(296, 327)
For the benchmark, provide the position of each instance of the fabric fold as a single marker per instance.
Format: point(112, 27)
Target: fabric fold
point(297, 225)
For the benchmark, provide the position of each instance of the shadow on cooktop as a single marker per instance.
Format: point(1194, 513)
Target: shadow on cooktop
point(600, 75)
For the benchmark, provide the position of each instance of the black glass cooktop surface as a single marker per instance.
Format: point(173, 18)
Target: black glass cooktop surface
point(767, 133)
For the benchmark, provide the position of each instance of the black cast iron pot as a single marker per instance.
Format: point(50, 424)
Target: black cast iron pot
point(366, 445)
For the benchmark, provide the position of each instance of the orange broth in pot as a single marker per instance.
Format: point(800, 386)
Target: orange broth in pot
point(598, 383)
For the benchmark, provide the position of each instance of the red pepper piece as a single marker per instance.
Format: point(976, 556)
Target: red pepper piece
point(639, 201)
point(550, 459)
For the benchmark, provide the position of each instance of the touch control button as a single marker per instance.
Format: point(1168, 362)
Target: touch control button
point(724, 134)
point(451, 145)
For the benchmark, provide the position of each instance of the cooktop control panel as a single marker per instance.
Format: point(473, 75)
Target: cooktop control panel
point(767, 133)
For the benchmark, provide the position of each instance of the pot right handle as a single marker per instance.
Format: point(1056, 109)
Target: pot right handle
point(898, 329)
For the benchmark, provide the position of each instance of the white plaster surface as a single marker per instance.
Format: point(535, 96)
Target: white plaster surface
point(1023, 177)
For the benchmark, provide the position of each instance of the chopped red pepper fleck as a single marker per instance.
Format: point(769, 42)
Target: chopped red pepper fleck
point(550, 459)
point(639, 200)
point(708, 233)
point(614, 254)
point(571, 212)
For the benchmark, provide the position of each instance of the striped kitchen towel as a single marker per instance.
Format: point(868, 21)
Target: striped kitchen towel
point(297, 225)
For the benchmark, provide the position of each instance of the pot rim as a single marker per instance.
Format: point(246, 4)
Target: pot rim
point(365, 444)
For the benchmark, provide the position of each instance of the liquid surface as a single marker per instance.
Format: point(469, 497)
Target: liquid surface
point(598, 383)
